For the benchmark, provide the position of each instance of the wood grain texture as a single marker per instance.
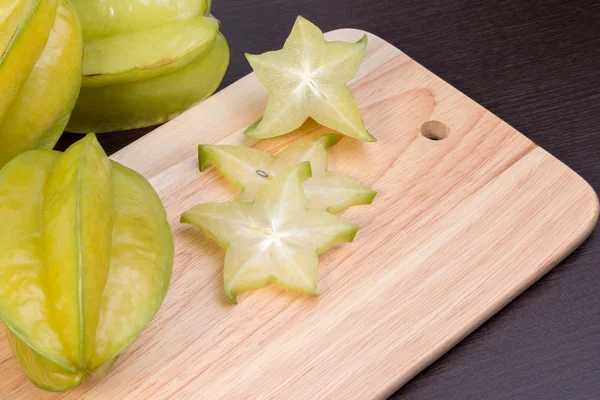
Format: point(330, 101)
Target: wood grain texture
point(534, 63)
point(459, 228)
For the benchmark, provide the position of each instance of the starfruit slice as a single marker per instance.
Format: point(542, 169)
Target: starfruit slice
point(85, 260)
point(151, 101)
point(148, 53)
point(275, 239)
point(41, 108)
point(307, 78)
point(249, 169)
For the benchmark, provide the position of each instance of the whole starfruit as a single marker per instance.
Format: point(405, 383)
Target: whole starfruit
point(145, 61)
point(41, 47)
point(86, 256)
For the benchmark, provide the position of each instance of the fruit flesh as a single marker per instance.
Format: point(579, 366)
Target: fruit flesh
point(275, 239)
point(54, 83)
point(307, 79)
point(153, 101)
point(85, 260)
point(145, 54)
point(249, 169)
point(101, 18)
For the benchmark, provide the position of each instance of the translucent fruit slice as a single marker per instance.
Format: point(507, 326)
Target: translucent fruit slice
point(307, 78)
point(250, 169)
point(276, 239)
point(148, 53)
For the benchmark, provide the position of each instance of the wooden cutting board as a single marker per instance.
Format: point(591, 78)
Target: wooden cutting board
point(460, 226)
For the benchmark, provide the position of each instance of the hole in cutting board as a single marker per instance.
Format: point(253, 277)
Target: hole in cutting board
point(435, 130)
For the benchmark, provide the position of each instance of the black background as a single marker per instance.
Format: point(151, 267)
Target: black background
point(534, 63)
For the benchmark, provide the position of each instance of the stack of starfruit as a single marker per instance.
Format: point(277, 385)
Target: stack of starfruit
point(145, 61)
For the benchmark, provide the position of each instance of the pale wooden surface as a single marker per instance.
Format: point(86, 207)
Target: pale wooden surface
point(459, 228)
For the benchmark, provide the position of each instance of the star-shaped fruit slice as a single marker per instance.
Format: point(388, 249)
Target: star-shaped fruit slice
point(307, 78)
point(275, 239)
point(249, 169)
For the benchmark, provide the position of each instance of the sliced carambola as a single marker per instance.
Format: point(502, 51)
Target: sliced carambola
point(40, 111)
point(85, 260)
point(250, 169)
point(307, 78)
point(100, 18)
point(151, 101)
point(135, 56)
point(275, 239)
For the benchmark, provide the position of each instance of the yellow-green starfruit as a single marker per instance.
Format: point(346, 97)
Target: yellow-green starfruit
point(146, 62)
point(86, 256)
point(41, 48)
point(153, 101)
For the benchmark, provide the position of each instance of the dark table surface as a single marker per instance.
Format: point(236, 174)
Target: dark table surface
point(535, 64)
